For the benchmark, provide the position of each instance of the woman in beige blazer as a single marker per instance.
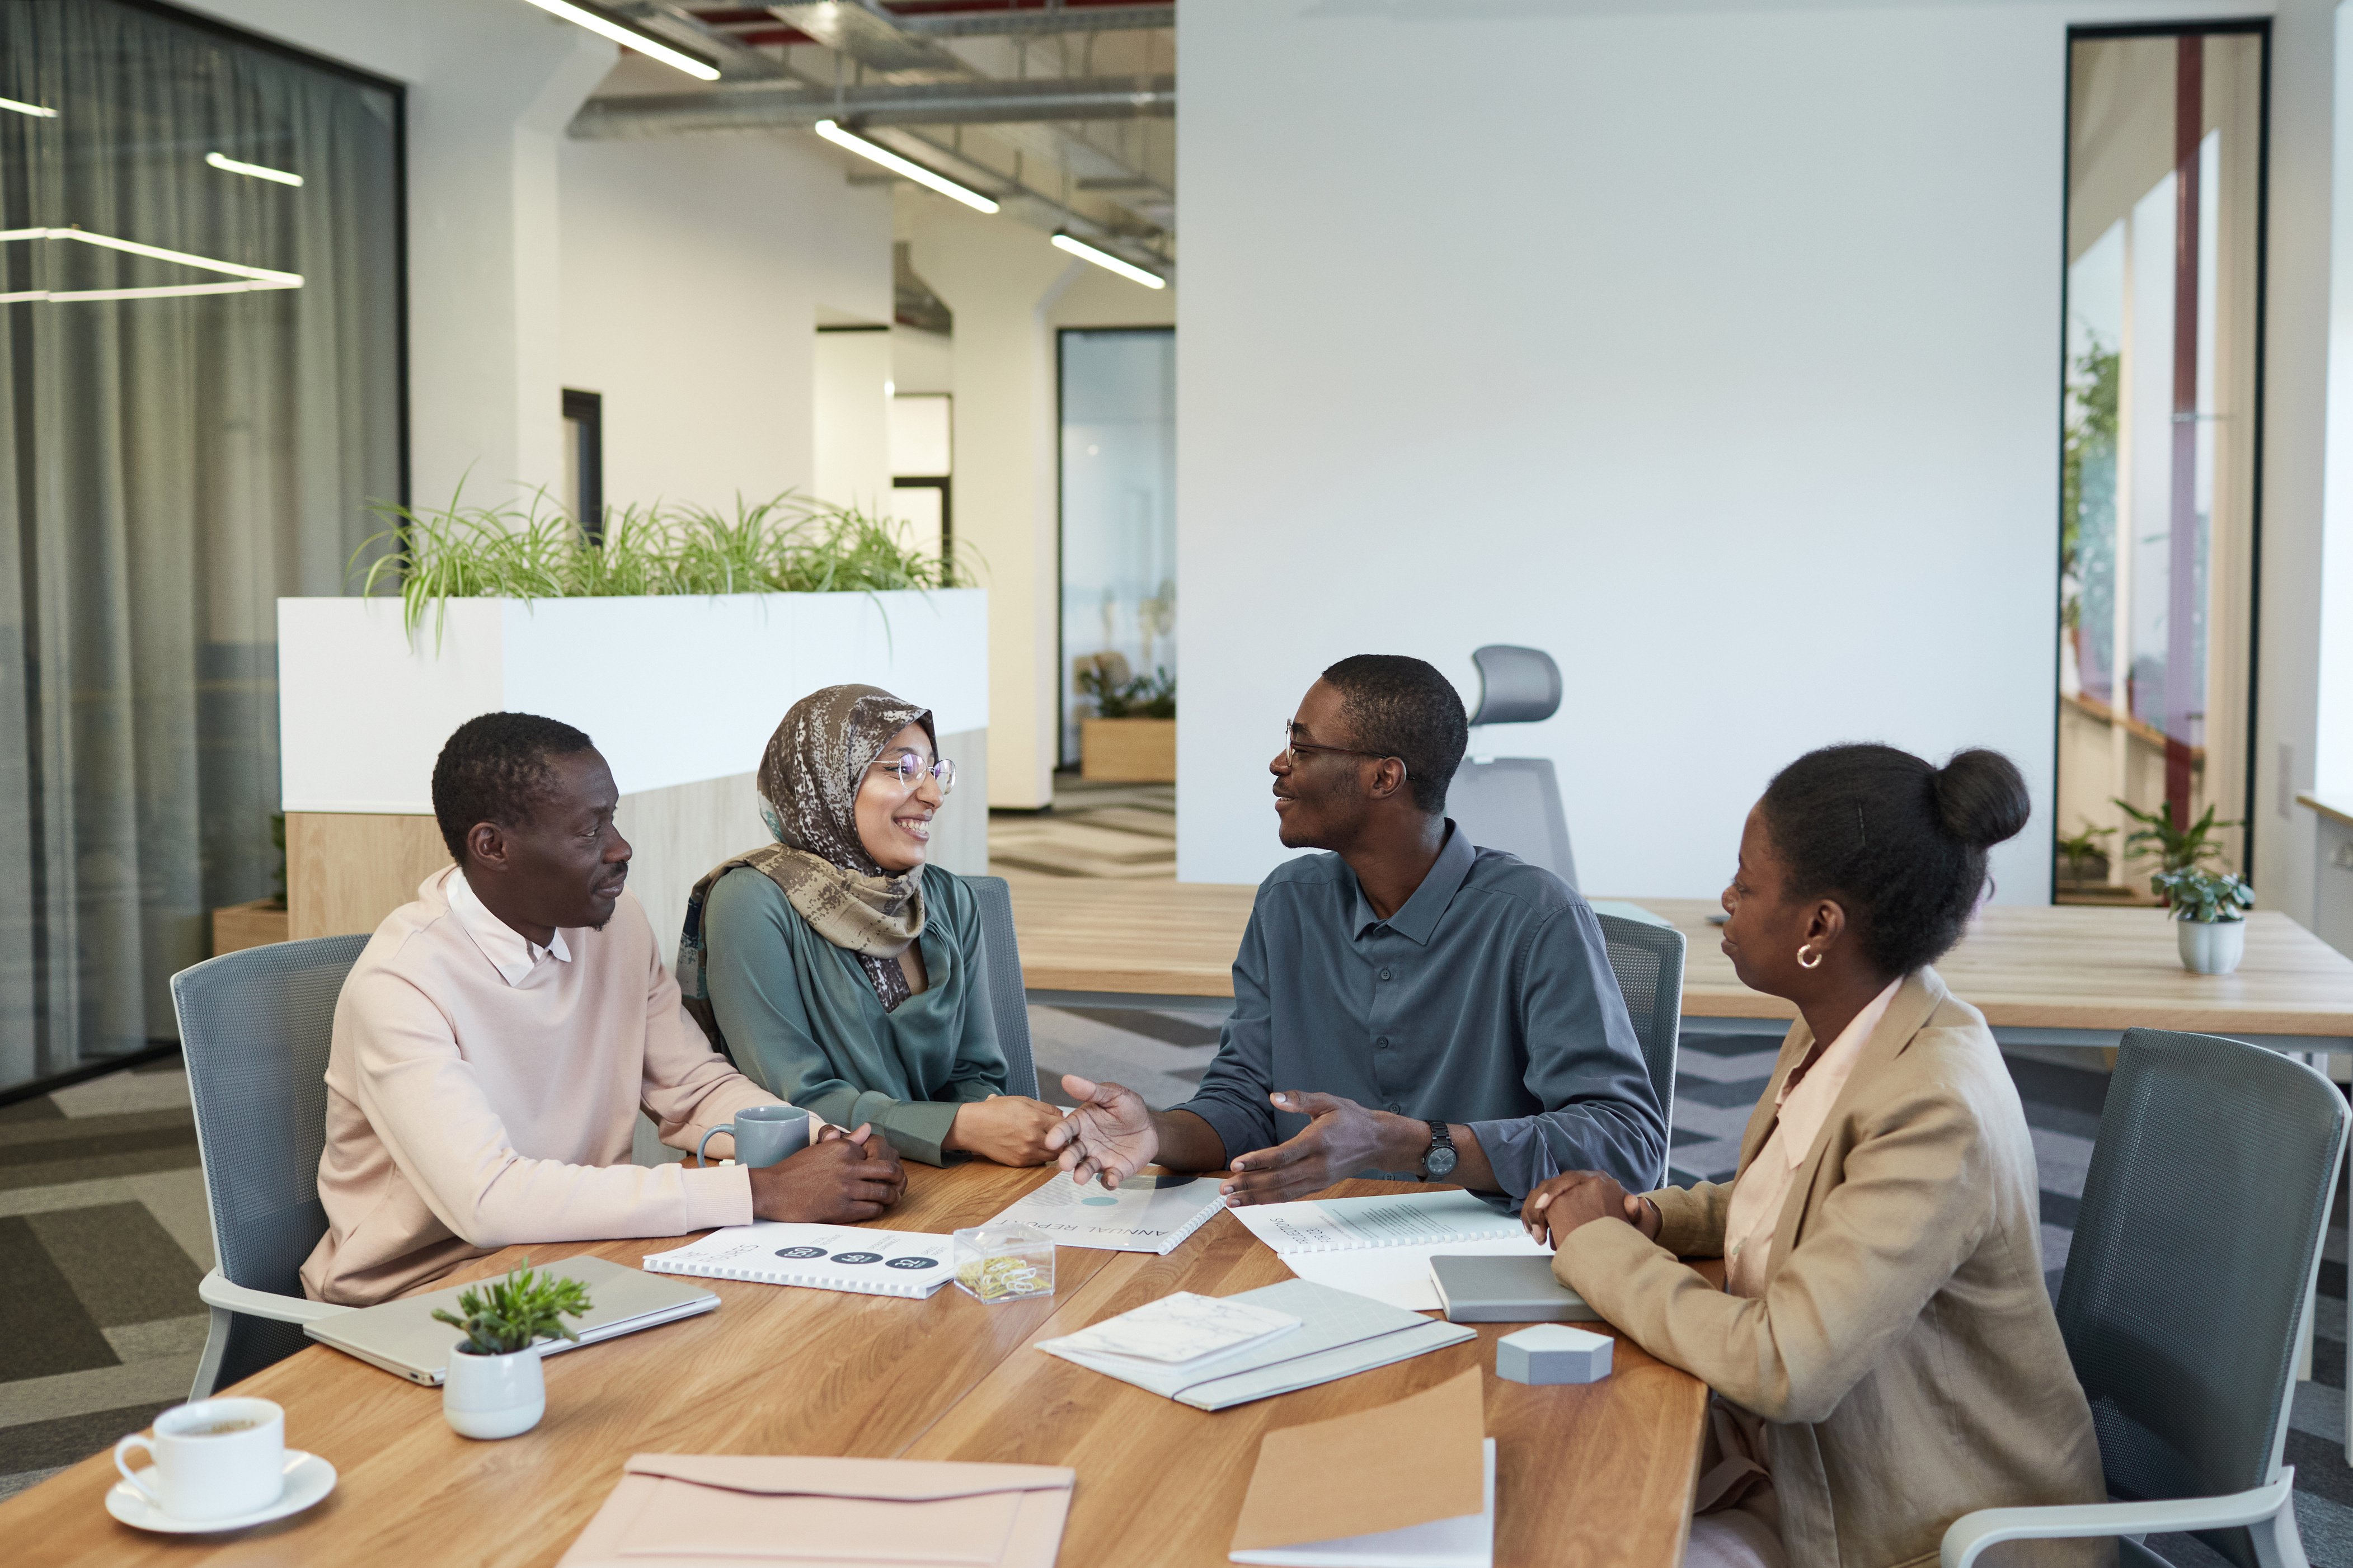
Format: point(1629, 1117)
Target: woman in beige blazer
point(1884, 1353)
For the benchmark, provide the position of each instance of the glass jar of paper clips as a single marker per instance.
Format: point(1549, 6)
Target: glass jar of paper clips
point(1003, 1262)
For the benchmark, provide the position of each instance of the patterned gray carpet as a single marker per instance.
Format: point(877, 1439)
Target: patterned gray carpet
point(103, 1236)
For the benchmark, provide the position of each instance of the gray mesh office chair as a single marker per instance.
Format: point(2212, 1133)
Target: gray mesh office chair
point(1007, 1001)
point(1513, 803)
point(255, 1027)
point(1649, 962)
point(2195, 1253)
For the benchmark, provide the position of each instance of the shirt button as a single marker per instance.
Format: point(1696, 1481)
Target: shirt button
point(1385, 975)
point(1395, 1109)
point(1383, 1042)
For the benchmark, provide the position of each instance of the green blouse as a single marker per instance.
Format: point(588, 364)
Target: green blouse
point(803, 1022)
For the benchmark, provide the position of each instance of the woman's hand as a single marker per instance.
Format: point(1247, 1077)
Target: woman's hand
point(1009, 1129)
point(1560, 1205)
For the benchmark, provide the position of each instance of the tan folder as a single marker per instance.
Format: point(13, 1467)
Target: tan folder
point(1371, 1471)
point(691, 1510)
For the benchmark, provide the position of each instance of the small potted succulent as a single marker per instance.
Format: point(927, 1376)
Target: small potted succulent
point(494, 1387)
point(2210, 909)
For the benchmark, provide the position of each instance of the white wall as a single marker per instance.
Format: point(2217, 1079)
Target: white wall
point(853, 411)
point(1715, 349)
point(692, 270)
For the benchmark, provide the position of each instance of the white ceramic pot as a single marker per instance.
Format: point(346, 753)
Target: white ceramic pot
point(2211, 948)
point(493, 1395)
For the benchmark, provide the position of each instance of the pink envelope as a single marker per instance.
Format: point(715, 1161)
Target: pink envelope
point(692, 1511)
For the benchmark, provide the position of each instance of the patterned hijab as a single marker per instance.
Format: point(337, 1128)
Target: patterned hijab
point(809, 783)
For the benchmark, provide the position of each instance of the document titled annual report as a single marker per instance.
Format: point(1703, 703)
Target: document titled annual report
point(1143, 1214)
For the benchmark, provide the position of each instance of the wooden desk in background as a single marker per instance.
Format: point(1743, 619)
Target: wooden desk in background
point(2042, 976)
point(1598, 1475)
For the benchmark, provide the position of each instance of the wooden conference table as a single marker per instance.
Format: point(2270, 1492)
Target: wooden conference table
point(2059, 975)
point(1590, 1476)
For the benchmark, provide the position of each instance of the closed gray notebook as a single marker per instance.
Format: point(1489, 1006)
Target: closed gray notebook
point(1506, 1291)
point(404, 1337)
point(1340, 1333)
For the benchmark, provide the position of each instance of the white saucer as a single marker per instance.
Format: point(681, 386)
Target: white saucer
point(307, 1479)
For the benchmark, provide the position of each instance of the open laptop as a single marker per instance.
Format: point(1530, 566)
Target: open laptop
point(404, 1337)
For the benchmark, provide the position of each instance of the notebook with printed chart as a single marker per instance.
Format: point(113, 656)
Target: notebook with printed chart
point(406, 1338)
point(1143, 1214)
point(822, 1256)
point(1400, 1220)
point(1339, 1334)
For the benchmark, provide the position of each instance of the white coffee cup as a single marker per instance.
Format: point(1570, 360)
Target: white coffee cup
point(215, 1459)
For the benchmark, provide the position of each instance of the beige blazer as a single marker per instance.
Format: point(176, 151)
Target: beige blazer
point(1904, 1354)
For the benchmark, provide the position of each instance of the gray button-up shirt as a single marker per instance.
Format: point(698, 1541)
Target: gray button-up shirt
point(1487, 999)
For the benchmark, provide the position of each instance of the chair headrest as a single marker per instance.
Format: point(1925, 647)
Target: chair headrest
point(1516, 685)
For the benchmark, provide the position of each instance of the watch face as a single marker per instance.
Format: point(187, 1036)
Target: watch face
point(1442, 1159)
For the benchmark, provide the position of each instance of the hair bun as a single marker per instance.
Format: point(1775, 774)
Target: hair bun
point(1981, 797)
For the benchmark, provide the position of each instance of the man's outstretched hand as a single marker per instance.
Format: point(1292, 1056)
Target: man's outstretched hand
point(841, 1179)
point(1108, 1133)
point(1340, 1139)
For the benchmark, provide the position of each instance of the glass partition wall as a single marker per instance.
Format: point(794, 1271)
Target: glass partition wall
point(200, 325)
point(1119, 513)
point(2160, 447)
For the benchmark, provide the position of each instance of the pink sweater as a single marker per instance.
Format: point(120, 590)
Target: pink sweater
point(465, 1113)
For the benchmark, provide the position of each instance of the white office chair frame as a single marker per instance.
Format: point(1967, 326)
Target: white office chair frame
point(2268, 1510)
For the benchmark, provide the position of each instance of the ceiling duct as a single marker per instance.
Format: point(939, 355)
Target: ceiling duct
point(973, 22)
point(912, 303)
point(978, 103)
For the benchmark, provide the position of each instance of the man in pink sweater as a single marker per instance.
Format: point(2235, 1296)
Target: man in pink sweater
point(499, 1037)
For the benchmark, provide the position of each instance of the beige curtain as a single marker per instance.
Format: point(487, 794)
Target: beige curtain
point(168, 467)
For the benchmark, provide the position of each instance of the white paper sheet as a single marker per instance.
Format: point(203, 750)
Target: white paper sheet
point(1183, 1327)
point(1400, 1275)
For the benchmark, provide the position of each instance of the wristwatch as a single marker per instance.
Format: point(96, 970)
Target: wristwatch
point(1439, 1160)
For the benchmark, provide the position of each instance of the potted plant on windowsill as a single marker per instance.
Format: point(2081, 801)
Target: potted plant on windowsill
point(2209, 910)
point(494, 1387)
point(1131, 739)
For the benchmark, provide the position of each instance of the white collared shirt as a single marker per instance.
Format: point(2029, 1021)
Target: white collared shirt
point(1800, 1110)
point(511, 953)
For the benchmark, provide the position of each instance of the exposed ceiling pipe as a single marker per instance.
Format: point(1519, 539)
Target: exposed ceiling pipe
point(765, 107)
point(971, 22)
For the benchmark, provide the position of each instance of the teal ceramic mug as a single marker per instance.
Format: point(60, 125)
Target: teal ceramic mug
point(763, 1134)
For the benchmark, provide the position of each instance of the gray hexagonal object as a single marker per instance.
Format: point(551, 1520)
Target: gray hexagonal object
point(1553, 1353)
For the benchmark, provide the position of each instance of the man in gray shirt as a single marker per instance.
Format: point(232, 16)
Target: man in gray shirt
point(1406, 1005)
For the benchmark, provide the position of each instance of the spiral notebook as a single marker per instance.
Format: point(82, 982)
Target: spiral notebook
point(1404, 1219)
point(822, 1256)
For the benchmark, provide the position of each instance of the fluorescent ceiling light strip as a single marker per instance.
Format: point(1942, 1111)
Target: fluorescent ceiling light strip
point(166, 291)
point(1110, 263)
point(908, 167)
point(259, 273)
point(254, 278)
point(35, 109)
point(258, 172)
point(630, 38)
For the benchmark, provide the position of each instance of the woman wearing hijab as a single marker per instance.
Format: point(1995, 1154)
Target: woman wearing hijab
point(1884, 1352)
point(842, 972)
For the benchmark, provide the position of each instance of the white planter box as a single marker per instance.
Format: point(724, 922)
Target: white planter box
point(674, 690)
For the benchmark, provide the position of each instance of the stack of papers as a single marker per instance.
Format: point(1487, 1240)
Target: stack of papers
point(1410, 1485)
point(1381, 1246)
point(1339, 1334)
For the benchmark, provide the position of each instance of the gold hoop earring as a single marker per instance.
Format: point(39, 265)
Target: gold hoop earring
point(1808, 959)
